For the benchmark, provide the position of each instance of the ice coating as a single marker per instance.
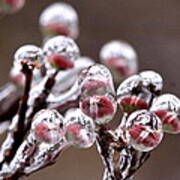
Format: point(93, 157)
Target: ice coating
point(29, 53)
point(59, 19)
point(80, 129)
point(61, 52)
point(11, 6)
point(152, 80)
point(144, 130)
point(96, 80)
point(120, 57)
point(167, 108)
point(48, 126)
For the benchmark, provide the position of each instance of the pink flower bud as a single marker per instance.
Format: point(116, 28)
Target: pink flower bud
point(167, 108)
point(120, 57)
point(61, 52)
point(80, 129)
point(96, 80)
point(59, 19)
point(48, 126)
point(11, 6)
point(100, 108)
point(143, 130)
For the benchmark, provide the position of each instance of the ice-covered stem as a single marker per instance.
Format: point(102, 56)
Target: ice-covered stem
point(41, 146)
point(41, 101)
point(106, 141)
point(17, 133)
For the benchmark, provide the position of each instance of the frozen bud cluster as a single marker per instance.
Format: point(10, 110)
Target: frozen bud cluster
point(144, 130)
point(167, 108)
point(11, 6)
point(80, 129)
point(48, 126)
point(138, 91)
point(120, 57)
point(97, 93)
point(60, 52)
point(59, 19)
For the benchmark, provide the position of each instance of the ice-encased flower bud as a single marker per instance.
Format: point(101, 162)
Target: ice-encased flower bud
point(143, 130)
point(100, 108)
point(28, 53)
point(152, 80)
point(131, 96)
point(95, 80)
point(80, 129)
point(167, 108)
point(59, 19)
point(11, 6)
point(121, 58)
point(48, 126)
point(60, 52)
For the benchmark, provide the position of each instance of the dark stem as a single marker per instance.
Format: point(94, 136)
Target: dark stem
point(40, 102)
point(19, 132)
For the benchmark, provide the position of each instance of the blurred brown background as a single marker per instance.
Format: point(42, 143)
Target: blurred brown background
point(153, 27)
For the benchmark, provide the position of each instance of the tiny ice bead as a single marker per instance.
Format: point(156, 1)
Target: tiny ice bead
point(143, 130)
point(167, 108)
point(120, 57)
point(61, 52)
point(59, 19)
point(29, 53)
point(80, 129)
point(48, 126)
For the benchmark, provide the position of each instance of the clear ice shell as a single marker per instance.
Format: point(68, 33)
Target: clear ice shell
point(48, 126)
point(124, 55)
point(153, 79)
point(80, 129)
point(62, 46)
point(96, 79)
point(143, 130)
point(62, 15)
point(30, 53)
point(167, 107)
